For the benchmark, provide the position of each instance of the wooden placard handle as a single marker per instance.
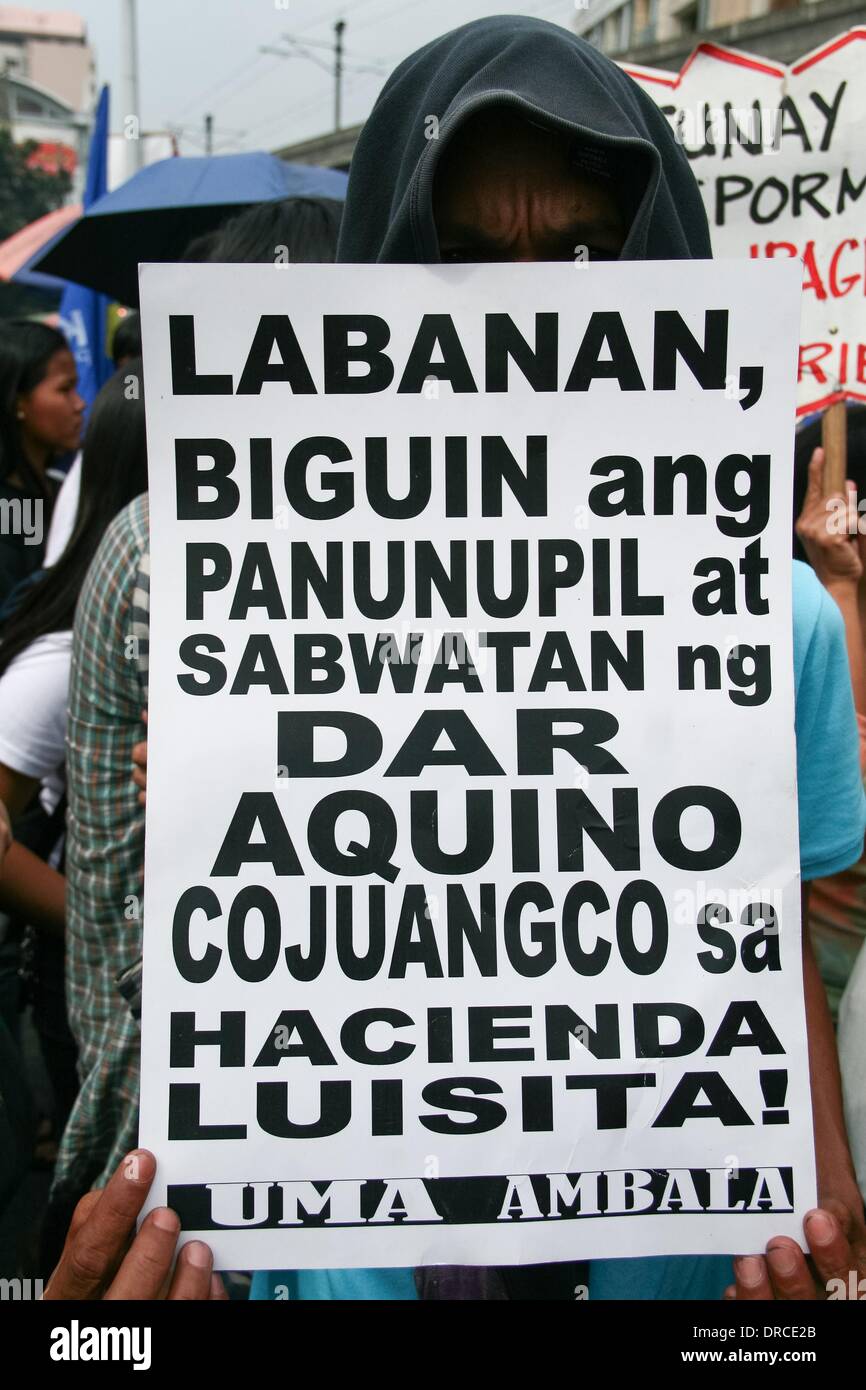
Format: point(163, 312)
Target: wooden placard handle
point(834, 438)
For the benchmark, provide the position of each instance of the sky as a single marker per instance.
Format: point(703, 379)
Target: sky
point(200, 56)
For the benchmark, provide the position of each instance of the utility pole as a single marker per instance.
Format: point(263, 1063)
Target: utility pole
point(339, 30)
point(129, 94)
point(208, 134)
point(5, 96)
point(303, 49)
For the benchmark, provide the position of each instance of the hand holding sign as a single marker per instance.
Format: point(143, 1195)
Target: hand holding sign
point(103, 1259)
point(828, 528)
point(836, 1238)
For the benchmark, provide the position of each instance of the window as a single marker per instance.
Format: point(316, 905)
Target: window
point(29, 106)
point(626, 21)
point(688, 18)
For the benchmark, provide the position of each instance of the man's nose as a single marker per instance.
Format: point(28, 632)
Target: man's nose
point(523, 248)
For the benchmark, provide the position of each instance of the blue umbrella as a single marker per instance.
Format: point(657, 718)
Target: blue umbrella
point(156, 213)
point(34, 281)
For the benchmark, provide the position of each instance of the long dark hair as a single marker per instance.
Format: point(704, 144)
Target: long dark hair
point(113, 472)
point(307, 227)
point(26, 348)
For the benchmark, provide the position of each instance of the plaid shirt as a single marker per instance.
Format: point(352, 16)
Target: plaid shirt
point(105, 849)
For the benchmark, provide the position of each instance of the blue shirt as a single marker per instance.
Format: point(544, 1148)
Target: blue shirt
point(832, 815)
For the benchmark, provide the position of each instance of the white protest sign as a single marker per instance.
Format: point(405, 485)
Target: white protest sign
point(472, 899)
point(779, 154)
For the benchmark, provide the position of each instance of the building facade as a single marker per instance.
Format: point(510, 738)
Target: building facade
point(662, 33)
point(49, 50)
point(47, 86)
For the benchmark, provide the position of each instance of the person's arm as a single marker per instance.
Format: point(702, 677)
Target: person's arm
point(5, 832)
point(29, 887)
point(837, 1181)
point(835, 1231)
point(834, 552)
point(847, 599)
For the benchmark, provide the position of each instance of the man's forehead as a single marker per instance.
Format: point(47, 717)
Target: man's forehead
point(504, 146)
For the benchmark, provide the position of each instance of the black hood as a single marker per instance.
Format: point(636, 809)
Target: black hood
point(546, 72)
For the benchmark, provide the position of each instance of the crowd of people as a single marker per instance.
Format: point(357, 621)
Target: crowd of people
point(543, 145)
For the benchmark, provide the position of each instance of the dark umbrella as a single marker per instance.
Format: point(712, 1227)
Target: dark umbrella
point(156, 213)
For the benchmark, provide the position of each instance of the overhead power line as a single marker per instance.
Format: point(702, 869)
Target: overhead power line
point(208, 92)
point(339, 12)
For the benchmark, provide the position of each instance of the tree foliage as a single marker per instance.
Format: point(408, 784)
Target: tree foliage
point(26, 193)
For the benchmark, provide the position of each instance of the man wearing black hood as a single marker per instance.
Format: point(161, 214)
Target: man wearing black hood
point(511, 139)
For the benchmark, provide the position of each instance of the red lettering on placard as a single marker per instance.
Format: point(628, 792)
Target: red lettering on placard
point(812, 279)
point(824, 271)
point(811, 356)
point(850, 280)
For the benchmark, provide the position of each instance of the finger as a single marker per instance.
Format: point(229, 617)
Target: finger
point(789, 1271)
point(192, 1273)
point(83, 1210)
point(148, 1263)
point(730, 1293)
point(139, 754)
point(144, 716)
point(218, 1290)
point(100, 1230)
point(139, 777)
point(752, 1276)
point(815, 481)
point(829, 1245)
point(142, 798)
